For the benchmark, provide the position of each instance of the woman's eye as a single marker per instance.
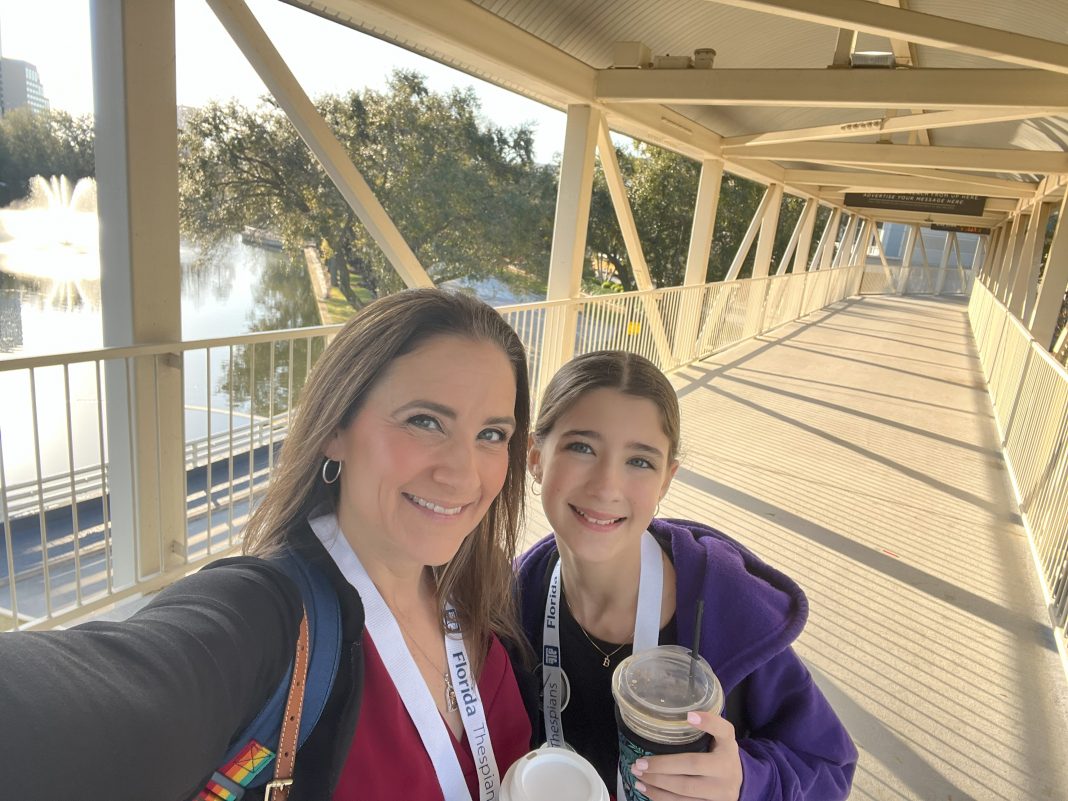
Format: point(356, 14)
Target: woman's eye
point(645, 464)
point(578, 447)
point(493, 435)
point(424, 421)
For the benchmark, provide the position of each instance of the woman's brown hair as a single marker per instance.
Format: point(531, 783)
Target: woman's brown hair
point(478, 579)
point(626, 372)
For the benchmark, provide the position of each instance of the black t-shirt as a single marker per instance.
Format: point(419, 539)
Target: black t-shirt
point(589, 717)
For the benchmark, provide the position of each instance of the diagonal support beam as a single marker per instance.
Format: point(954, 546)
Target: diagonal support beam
point(1054, 282)
point(617, 190)
point(276, 75)
point(925, 29)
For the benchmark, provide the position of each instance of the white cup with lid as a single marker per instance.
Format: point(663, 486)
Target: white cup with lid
point(552, 774)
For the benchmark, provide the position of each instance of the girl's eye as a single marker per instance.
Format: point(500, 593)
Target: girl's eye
point(645, 464)
point(424, 421)
point(578, 447)
point(493, 435)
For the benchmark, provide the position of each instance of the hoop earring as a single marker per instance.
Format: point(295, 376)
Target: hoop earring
point(534, 489)
point(655, 514)
point(337, 475)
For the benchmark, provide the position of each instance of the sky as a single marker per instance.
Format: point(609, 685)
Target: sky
point(325, 57)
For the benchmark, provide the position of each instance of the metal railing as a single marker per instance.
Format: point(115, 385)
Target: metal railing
point(122, 469)
point(1029, 392)
point(916, 280)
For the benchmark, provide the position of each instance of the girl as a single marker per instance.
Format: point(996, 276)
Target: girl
point(604, 451)
point(401, 480)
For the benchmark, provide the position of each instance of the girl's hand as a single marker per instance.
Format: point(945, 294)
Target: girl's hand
point(712, 776)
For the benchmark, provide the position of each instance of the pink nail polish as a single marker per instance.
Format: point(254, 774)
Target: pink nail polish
point(639, 787)
point(693, 718)
point(640, 764)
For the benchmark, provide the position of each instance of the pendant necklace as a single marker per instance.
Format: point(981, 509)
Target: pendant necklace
point(601, 651)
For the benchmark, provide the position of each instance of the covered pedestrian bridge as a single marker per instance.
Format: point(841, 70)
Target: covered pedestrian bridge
point(880, 410)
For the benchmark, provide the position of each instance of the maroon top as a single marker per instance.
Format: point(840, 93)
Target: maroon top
point(387, 759)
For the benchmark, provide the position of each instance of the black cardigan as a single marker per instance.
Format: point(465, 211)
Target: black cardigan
point(145, 709)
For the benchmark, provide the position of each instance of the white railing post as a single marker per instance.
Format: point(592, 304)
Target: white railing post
point(137, 191)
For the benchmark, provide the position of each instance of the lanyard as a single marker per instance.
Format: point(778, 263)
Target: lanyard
point(411, 687)
point(646, 633)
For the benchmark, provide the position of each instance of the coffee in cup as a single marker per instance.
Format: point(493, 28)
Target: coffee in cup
point(552, 774)
point(655, 690)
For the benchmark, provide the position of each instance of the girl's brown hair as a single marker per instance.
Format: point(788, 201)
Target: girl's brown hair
point(478, 579)
point(626, 372)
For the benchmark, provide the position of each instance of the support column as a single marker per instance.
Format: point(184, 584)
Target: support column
point(1054, 282)
point(1015, 265)
point(906, 258)
point(768, 228)
point(791, 245)
point(569, 236)
point(804, 241)
point(926, 263)
point(1035, 262)
point(1006, 259)
point(943, 264)
point(747, 240)
point(1025, 266)
point(877, 235)
point(846, 246)
point(137, 199)
point(704, 225)
point(830, 238)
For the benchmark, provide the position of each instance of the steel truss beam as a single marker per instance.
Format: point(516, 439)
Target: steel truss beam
point(925, 29)
point(930, 89)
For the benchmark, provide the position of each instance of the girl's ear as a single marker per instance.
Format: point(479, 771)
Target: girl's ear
point(534, 458)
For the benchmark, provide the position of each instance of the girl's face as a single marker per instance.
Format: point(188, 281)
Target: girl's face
point(427, 453)
point(603, 468)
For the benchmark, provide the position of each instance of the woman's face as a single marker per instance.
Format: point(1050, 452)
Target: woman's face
point(427, 453)
point(604, 468)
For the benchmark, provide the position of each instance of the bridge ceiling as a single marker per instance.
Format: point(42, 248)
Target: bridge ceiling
point(563, 52)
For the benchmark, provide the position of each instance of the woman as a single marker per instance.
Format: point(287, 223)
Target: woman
point(401, 479)
point(604, 451)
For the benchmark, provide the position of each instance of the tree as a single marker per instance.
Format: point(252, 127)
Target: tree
point(42, 143)
point(465, 194)
point(662, 189)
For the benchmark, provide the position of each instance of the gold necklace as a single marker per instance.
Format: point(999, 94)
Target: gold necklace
point(585, 634)
point(450, 693)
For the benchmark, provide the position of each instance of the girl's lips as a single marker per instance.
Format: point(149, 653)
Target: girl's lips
point(598, 521)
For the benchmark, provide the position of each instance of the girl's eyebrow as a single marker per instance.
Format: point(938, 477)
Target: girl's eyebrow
point(634, 445)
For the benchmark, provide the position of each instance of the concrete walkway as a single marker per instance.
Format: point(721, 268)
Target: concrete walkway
point(856, 451)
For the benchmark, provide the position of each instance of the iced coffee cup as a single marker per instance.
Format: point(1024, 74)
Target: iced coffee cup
point(552, 774)
point(655, 690)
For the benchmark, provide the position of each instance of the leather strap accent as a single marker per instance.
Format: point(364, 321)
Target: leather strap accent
point(278, 789)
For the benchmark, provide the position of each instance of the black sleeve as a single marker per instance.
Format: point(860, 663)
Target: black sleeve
point(145, 708)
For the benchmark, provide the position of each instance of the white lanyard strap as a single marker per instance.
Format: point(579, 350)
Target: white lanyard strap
point(411, 687)
point(646, 632)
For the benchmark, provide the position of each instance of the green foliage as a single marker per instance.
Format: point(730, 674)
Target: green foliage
point(46, 143)
point(662, 189)
point(465, 194)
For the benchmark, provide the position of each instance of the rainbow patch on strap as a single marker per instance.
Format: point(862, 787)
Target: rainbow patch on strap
point(229, 782)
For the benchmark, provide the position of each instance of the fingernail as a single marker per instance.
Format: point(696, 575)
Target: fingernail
point(693, 718)
point(639, 787)
point(641, 764)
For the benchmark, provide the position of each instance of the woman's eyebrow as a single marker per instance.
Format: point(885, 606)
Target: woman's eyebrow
point(437, 408)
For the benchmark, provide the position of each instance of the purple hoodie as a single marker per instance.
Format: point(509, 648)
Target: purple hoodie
point(796, 747)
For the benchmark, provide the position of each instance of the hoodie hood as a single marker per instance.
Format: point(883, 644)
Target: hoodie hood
point(752, 611)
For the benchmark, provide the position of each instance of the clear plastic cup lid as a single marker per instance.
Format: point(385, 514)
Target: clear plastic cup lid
point(666, 683)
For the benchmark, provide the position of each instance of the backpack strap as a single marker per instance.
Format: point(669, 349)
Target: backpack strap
point(278, 788)
point(252, 750)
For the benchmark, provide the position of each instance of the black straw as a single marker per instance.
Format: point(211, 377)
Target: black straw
point(696, 639)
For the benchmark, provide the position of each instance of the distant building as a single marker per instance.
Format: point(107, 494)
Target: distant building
point(20, 86)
